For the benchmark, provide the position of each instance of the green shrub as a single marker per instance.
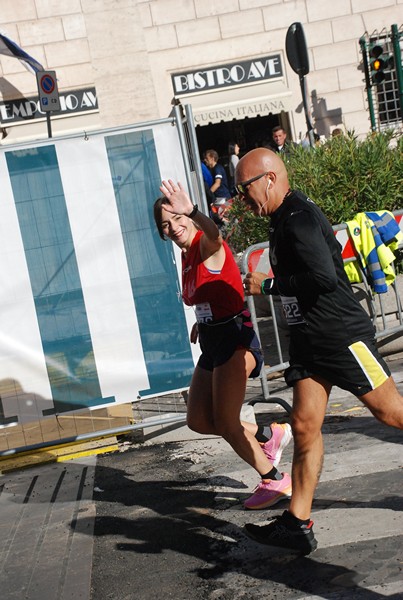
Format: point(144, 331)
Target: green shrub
point(343, 176)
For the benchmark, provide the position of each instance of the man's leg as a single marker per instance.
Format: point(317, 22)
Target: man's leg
point(293, 529)
point(309, 407)
point(385, 403)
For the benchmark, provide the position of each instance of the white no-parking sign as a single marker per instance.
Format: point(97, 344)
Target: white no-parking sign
point(48, 92)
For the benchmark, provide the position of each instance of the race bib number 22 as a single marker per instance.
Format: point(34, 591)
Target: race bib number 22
point(291, 310)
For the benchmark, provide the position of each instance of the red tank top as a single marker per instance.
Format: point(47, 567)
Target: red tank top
point(216, 294)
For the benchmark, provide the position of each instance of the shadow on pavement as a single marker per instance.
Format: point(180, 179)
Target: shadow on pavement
point(168, 534)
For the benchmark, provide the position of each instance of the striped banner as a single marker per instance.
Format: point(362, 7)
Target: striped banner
point(91, 313)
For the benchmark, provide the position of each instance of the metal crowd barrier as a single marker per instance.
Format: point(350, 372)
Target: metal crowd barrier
point(256, 258)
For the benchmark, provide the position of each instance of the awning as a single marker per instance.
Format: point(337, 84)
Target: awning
point(239, 103)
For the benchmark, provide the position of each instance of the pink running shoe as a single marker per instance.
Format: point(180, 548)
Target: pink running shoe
point(280, 439)
point(269, 492)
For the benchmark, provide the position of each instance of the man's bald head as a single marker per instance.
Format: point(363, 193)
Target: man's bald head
point(266, 193)
point(257, 161)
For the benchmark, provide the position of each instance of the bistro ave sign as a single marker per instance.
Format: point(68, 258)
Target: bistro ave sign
point(26, 109)
point(223, 76)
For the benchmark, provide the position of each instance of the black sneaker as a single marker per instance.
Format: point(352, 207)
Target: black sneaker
point(283, 531)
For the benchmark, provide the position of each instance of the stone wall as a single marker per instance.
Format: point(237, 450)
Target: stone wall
point(129, 48)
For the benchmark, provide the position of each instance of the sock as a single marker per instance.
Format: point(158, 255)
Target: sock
point(263, 434)
point(273, 474)
point(294, 520)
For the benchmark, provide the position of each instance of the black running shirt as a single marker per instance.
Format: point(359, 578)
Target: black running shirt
point(318, 302)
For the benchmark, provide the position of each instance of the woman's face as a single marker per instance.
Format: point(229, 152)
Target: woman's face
point(178, 228)
point(236, 149)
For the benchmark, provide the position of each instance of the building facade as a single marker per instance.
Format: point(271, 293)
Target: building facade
point(120, 62)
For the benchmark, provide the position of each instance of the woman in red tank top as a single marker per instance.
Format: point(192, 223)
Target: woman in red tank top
point(212, 284)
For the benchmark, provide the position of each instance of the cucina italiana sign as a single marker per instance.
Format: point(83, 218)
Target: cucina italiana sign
point(27, 109)
point(227, 75)
point(214, 115)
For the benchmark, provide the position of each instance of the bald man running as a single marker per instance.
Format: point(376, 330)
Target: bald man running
point(331, 336)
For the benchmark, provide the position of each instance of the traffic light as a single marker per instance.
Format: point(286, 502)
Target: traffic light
point(380, 61)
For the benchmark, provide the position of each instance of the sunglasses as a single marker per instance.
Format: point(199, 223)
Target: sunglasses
point(242, 187)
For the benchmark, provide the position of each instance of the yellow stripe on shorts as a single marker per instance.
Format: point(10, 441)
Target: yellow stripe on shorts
point(371, 368)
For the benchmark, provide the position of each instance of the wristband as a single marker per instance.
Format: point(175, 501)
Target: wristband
point(194, 212)
point(266, 286)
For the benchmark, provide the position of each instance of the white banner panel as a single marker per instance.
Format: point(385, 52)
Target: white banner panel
point(91, 310)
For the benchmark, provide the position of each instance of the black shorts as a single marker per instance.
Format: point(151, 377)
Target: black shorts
point(358, 369)
point(220, 339)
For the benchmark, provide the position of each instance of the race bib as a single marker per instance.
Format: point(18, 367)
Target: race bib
point(291, 310)
point(203, 313)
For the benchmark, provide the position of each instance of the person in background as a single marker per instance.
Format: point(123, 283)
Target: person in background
point(207, 174)
point(306, 143)
point(337, 131)
point(220, 187)
point(233, 159)
point(332, 338)
point(210, 197)
point(280, 142)
point(212, 284)
point(208, 182)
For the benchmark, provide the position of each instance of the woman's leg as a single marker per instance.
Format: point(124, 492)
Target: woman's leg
point(200, 405)
point(200, 402)
point(214, 407)
point(228, 393)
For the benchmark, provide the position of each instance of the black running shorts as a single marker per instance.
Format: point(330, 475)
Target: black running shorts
point(220, 339)
point(358, 369)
